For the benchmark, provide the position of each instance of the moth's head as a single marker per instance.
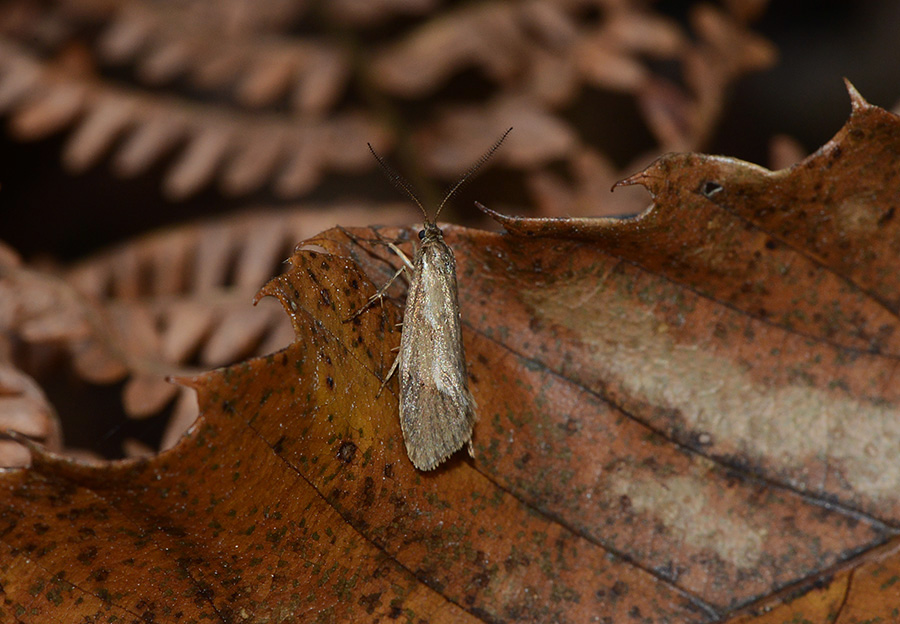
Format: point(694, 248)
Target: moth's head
point(430, 232)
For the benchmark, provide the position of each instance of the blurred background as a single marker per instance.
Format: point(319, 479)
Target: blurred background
point(121, 117)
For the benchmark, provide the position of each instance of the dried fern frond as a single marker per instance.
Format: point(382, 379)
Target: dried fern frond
point(168, 304)
point(25, 409)
point(244, 151)
point(281, 93)
point(542, 49)
point(258, 67)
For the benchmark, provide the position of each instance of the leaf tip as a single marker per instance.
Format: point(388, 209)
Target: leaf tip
point(502, 219)
point(857, 101)
point(637, 178)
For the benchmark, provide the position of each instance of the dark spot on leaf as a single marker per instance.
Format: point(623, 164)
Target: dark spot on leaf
point(887, 216)
point(354, 284)
point(389, 471)
point(346, 452)
point(40, 528)
point(516, 560)
point(619, 588)
point(370, 601)
point(204, 595)
point(329, 382)
point(481, 580)
point(324, 265)
point(87, 555)
point(275, 535)
point(100, 574)
point(228, 407)
point(368, 493)
point(635, 612)
point(395, 612)
point(278, 447)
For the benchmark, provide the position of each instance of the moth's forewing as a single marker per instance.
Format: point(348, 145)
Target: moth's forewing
point(437, 411)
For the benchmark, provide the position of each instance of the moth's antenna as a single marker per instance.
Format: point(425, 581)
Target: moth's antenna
point(397, 180)
point(468, 174)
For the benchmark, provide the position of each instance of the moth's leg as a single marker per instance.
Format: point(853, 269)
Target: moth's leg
point(409, 268)
point(389, 375)
point(406, 261)
point(378, 296)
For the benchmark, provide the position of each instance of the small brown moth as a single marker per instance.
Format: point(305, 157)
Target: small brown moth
point(437, 411)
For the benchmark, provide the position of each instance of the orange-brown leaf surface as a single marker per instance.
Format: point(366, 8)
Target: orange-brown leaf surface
point(687, 416)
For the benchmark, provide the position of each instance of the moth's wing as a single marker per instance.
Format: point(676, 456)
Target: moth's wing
point(437, 411)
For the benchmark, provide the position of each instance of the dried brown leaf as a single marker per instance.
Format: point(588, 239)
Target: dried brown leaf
point(683, 416)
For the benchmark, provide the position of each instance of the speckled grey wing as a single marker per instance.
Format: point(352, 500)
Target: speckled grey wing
point(437, 411)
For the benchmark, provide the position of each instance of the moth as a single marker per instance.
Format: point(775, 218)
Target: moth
point(437, 411)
